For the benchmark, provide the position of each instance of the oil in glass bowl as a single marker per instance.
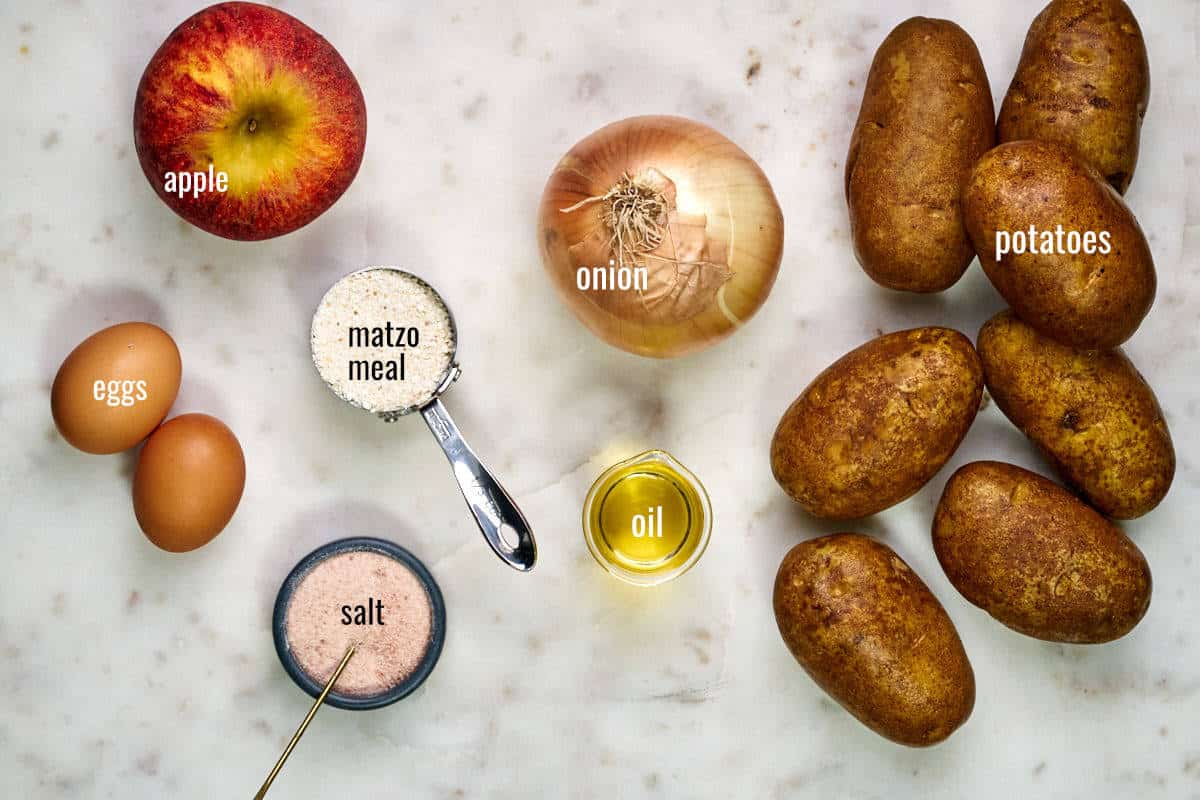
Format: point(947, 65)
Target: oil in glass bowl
point(647, 519)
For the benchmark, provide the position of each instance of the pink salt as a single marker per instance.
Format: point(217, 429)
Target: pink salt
point(388, 653)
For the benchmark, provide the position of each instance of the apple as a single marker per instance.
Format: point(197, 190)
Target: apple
point(248, 123)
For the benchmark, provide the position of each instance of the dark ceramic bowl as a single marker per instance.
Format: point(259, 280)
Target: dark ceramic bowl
point(437, 635)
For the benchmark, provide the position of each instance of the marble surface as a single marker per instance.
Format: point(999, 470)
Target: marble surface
point(126, 672)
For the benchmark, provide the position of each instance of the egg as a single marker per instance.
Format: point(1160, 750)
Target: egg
point(116, 387)
point(189, 481)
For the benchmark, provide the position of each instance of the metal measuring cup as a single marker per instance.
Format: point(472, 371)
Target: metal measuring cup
point(501, 522)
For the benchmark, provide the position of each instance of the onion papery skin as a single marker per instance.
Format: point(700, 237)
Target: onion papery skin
point(721, 243)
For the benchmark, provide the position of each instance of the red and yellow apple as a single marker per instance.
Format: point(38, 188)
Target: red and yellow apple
point(248, 92)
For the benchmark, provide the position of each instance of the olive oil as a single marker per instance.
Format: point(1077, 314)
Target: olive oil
point(647, 519)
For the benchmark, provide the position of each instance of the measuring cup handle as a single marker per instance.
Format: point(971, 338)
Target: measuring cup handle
point(494, 510)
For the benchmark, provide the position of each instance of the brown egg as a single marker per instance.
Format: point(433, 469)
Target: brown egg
point(188, 483)
point(115, 387)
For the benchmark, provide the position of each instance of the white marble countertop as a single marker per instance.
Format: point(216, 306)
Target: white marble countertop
point(126, 672)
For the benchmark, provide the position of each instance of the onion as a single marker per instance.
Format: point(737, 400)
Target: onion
point(679, 202)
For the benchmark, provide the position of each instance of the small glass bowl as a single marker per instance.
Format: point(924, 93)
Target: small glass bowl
point(661, 476)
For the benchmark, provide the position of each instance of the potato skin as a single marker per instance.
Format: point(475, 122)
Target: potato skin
point(1091, 413)
point(871, 634)
point(926, 116)
point(1093, 301)
point(1037, 558)
point(1083, 81)
point(877, 424)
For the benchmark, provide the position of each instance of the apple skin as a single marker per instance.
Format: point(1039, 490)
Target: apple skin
point(266, 99)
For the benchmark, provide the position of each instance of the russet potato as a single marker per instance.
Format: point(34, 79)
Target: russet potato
point(871, 634)
point(1083, 81)
point(1092, 300)
point(876, 425)
point(1090, 412)
point(926, 116)
point(1037, 558)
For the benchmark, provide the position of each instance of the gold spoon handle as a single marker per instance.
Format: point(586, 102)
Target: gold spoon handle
point(312, 712)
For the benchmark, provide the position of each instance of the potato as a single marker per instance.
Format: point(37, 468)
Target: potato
point(1037, 558)
point(1093, 301)
point(1083, 81)
point(871, 634)
point(875, 426)
point(1090, 412)
point(926, 116)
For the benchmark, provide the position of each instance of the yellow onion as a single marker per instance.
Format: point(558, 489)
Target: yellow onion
point(679, 201)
